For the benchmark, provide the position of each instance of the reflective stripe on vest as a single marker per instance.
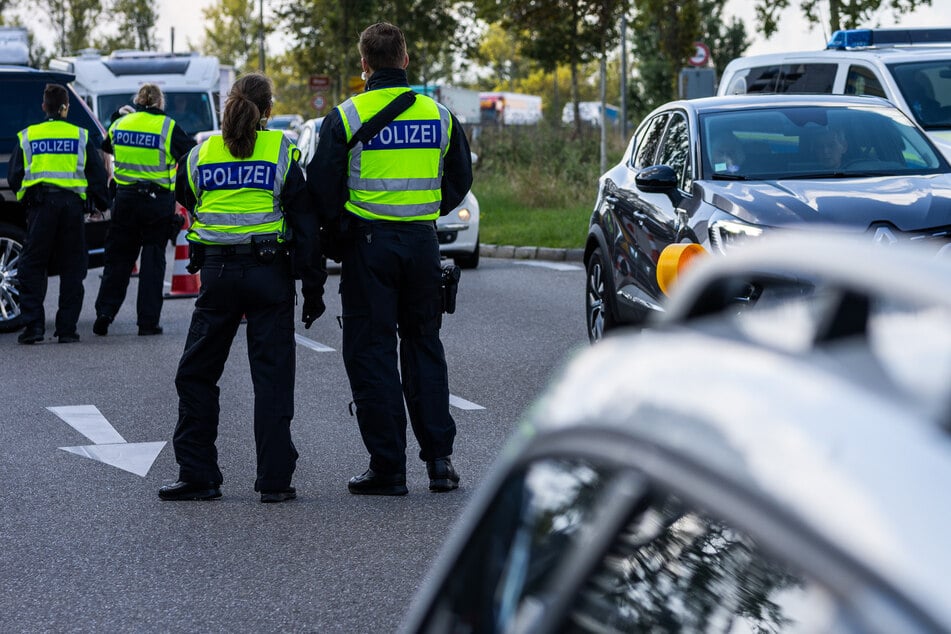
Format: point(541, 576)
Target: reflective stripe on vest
point(397, 175)
point(238, 198)
point(141, 142)
point(54, 153)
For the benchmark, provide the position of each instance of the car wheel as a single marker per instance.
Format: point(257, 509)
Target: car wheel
point(598, 297)
point(11, 245)
point(469, 260)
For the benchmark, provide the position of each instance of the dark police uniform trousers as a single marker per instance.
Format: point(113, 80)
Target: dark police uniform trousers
point(232, 286)
point(389, 285)
point(55, 233)
point(142, 220)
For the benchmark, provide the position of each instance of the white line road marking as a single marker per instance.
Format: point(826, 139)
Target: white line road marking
point(110, 448)
point(462, 403)
point(558, 266)
point(313, 345)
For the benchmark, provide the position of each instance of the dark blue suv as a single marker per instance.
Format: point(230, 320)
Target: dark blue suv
point(22, 90)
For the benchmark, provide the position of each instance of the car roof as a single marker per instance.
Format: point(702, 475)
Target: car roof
point(821, 434)
point(884, 54)
point(48, 75)
point(770, 100)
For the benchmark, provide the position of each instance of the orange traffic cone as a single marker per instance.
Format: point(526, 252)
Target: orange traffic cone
point(184, 284)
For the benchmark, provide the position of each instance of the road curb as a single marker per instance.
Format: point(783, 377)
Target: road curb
point(531, 253)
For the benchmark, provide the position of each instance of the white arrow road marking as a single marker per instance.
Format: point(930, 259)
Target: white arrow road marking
point(134, 457)
point(313, 345)
point(462, 403)
point(558, 266)
point(110, 448)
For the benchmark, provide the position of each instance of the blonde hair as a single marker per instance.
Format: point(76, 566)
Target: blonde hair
point(150, 96)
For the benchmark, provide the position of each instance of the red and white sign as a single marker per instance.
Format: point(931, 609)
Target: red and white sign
point(319, 102)
point(701, 56)
point(319, 83)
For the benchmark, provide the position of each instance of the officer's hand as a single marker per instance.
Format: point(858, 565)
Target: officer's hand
point(313, 308)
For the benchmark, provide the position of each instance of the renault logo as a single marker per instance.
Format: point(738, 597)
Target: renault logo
point(884, 235)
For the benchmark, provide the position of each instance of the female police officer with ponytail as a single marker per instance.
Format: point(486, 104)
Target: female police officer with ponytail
point(253, 231)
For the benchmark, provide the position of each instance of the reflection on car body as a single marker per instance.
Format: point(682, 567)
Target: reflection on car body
point(710, 474)
point(798, 162)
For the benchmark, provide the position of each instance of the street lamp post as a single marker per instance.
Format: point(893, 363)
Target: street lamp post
point(261, 35)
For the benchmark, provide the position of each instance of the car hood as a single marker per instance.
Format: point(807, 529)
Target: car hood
point(908, 203)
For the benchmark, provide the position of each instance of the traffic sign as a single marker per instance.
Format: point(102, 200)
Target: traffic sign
point(701, 56)
point(318, 83)
point(319, 102)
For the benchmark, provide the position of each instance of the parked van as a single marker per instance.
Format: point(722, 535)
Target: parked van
point(191, 83)
point(909, 67)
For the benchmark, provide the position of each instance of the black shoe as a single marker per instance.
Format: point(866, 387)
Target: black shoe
point(290, 493)
point(190, 491)
point(145, 331)
point(72, 337)
point(31, 335)
point(101, 326)
point(442, 476)
point(373, 483)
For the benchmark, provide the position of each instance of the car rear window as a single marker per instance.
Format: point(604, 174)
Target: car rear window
point(815, 78)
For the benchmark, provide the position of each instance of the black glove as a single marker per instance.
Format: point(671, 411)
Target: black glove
point(313, 308)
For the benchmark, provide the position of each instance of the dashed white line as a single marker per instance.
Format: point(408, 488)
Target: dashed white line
point(558, 266)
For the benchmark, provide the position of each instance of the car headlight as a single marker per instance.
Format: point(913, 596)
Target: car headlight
point(726, 234)
point(464, 214)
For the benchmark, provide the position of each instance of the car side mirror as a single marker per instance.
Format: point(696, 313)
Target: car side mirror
point(658, 179)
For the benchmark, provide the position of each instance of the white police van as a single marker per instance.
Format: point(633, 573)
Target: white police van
point(909, 67)
point(191, 83)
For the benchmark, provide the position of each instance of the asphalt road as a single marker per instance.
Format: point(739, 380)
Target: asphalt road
point(86, 546)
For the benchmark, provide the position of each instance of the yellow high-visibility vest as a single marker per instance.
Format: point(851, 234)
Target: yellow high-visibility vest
point(142, 142)
point(396, 175)
point(54, 153)
point(238, 198)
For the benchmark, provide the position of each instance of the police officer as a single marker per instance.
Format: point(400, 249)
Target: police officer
point(387, 194)
point(247, 196)
point(147, 145)
point(54, 170)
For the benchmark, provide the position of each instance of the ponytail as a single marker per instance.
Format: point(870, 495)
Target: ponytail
point(248, 101)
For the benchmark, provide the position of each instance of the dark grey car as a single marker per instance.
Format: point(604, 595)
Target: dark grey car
point(722, 170)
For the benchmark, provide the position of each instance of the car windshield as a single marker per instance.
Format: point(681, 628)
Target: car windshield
point(814, 142)
point(926, 87)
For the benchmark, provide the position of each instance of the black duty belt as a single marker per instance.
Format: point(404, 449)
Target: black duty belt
point(228, 249)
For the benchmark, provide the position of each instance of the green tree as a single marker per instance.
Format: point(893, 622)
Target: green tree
point(664, 33)
point(554, 32)
point(843, 14)
point(72, 21)
point(232, 33)
point(136, 26)
point(322, 35)
point(726, 41)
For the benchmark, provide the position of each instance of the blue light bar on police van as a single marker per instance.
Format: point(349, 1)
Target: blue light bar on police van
point(863, 38)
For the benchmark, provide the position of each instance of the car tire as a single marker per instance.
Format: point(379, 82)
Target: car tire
point(11, 246)
point(469, 260)
point(599, 294)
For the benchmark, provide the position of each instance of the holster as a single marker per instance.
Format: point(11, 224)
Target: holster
point(266, 247)
point(196, 257)
point(449, 287)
